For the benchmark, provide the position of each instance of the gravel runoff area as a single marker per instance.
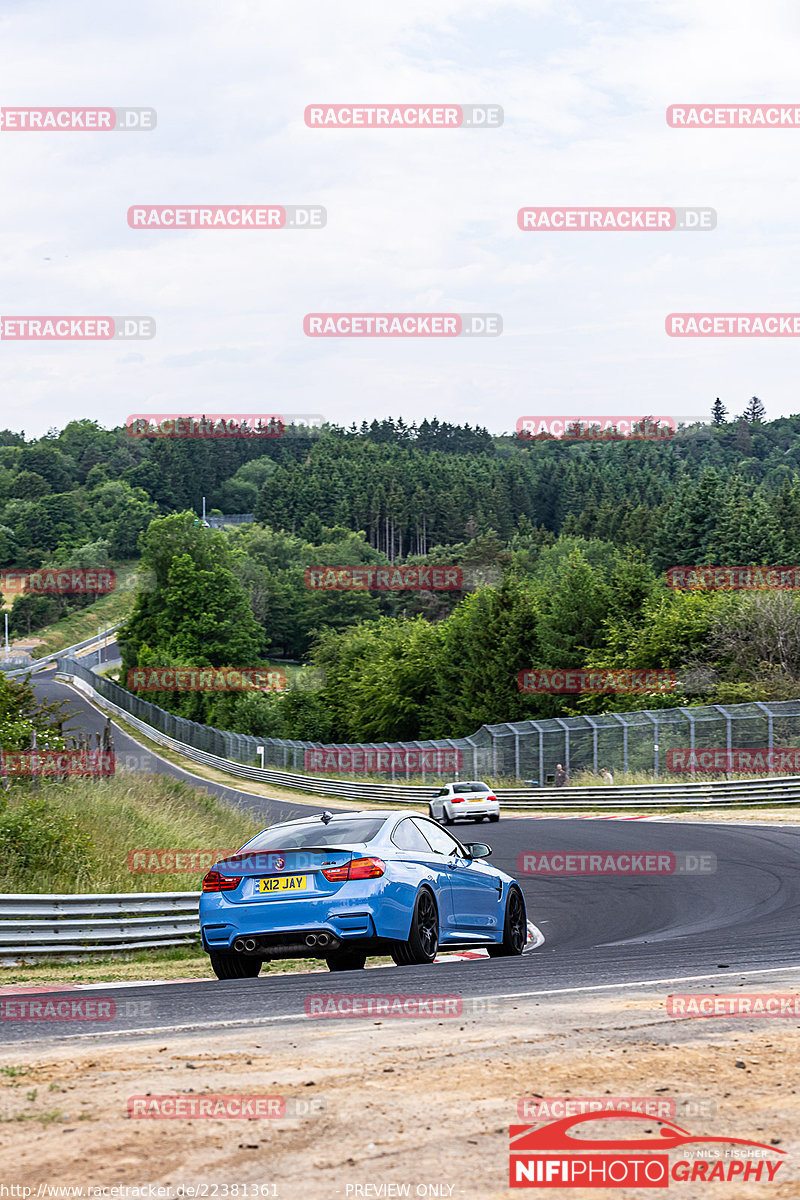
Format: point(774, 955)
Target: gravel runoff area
point(391, 1107)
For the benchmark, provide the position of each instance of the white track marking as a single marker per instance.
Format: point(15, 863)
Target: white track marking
point(256, 1021)
point(535, 937)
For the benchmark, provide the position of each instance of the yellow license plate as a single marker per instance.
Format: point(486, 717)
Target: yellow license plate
point(284, 883)
point(476, 800)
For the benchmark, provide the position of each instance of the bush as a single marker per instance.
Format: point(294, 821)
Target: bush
point(37, 839)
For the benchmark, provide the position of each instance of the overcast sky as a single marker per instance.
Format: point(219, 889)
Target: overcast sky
point(417, 220)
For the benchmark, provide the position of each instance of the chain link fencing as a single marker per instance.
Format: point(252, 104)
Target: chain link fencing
point(529, 751)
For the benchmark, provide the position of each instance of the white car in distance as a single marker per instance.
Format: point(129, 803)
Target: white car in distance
point(466, 801)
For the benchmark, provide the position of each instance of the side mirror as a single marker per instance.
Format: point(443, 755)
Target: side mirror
point(477, 849)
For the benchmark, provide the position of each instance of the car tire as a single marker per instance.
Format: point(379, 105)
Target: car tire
point(234, 966)
point(423, 940)
point(447, 820)
point(496, 818)
point(346, 960)
point(515, 927)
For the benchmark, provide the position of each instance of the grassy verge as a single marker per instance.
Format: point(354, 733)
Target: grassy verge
point(77, 626)
point(141, 966)
point(76, 836)
point(645, 778)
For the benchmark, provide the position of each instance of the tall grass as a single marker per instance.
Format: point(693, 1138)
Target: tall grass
point(76, 836)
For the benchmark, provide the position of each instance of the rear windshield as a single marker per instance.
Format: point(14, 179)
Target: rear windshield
point(342, 831)
point(470, 787)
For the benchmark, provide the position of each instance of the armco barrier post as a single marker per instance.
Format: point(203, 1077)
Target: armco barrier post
point(768, 714)
point(690, 718)
point(594, 743)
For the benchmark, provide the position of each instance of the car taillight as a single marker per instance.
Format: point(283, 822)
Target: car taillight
point(214, 882)
point(357, 868)
point(492, 798)
point(457, 799)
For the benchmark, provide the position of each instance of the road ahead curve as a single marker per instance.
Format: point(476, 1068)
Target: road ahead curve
point(599, 931)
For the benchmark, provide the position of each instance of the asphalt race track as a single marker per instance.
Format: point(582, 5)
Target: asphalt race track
point(600, 932)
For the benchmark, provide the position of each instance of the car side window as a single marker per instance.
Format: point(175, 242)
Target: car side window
point(406, 836)
point(440, 841)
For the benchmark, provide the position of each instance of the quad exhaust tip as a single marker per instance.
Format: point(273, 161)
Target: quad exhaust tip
point(312, 939)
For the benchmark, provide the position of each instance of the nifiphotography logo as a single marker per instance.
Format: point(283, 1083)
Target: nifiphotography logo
point(576, 1152)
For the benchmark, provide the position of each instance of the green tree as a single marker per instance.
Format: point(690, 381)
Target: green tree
point(747, 529)
point(577, 606)
point(719, 413)
point(194, 607)
point(755, 411)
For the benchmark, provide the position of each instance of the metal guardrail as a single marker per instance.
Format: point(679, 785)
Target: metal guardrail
point(784, 790)
point(39, 923)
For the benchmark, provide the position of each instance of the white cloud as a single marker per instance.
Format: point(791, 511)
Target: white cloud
point(416, 220)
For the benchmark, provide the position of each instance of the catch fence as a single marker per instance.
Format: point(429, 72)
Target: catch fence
point(528, 751)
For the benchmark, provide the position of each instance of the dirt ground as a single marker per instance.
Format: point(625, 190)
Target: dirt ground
point(417, 1107)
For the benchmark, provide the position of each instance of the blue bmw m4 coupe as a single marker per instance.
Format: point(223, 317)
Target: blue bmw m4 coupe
point(345, 886)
